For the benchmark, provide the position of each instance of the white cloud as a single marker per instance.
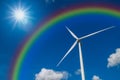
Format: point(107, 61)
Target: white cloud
point(78, 72)
point(96, 78)
point(53, 0)
point(114, 59)
point(49, 74)
point(49, 1)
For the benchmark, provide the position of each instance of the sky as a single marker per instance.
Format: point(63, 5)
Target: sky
point(101, 52)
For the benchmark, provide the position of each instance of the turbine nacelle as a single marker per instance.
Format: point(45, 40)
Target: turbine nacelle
point(78, 40)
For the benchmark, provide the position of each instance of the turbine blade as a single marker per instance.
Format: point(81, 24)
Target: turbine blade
point(72, 33)
point(96, 32)
point(67, 52)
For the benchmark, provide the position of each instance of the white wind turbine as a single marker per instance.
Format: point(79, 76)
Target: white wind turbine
point(80, 51)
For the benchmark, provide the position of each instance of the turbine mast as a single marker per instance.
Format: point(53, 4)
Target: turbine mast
point(81, 62)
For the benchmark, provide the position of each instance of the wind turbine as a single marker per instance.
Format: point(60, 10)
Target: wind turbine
point(80, 50)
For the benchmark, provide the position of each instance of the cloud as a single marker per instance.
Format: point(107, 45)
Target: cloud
point(49, 74)
point(48, 1)
point(96, 78)
point(78, 72)
point(114, 59)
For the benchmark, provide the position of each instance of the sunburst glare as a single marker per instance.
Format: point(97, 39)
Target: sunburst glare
point(19, 14)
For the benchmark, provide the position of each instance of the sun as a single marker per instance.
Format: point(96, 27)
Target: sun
point(19, 14)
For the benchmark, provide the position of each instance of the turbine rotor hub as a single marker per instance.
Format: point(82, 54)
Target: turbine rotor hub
point(78, 40)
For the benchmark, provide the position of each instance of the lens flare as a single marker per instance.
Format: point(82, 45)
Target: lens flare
point(19, 14)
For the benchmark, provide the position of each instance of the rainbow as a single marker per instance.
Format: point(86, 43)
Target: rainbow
point(49, 22)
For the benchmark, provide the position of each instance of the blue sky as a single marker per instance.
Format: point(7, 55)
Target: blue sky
point(54, 43)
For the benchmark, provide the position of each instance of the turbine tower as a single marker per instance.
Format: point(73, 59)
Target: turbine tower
point(80, 50)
